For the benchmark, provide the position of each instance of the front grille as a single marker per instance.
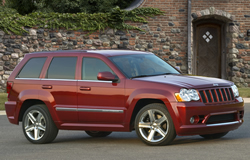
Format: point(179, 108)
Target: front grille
point(217, 95)
point(221, 118)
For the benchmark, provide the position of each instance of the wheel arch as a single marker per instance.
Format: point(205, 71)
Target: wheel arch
point(27, 104)
point(28, 98)
point(139, 105)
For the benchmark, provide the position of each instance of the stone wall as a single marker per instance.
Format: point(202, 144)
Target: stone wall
point(237, 49)
point(164, 35)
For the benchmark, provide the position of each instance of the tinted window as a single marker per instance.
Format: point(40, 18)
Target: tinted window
point(62, 68)
point(32, 68)
point(91, 67)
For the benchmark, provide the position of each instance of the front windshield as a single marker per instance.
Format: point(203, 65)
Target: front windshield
point(142, 65)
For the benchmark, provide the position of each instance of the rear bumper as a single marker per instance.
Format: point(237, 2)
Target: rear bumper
point(10, 108)
point(212, 118)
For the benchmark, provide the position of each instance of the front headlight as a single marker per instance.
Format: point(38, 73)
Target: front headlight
point(235, 90)
point(187, 95)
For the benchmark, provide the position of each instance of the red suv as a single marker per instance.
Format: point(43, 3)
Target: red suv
point(100, 91)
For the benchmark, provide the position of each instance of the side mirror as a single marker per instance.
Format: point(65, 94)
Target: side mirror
point(106, 76)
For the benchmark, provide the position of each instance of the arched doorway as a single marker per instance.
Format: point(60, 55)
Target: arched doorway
point(209, 48)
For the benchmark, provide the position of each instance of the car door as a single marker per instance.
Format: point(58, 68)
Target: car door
point(99, 102)
point(59, 80)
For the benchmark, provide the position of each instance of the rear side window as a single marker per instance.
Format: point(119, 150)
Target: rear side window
point(32, 68)
point(62, 68)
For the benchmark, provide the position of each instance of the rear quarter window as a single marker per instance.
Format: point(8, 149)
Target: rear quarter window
point(33, 68)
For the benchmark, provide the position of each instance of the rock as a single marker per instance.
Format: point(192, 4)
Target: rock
point(241, 35)
point(40, 31)
point(52, 35)
point(165, 47)
point(123, 38)
point(233, 51)
point(174, 53)
point(97, 42)
point(138, 46)
point(242, 70)
point(5, 57)
point(14, 55)
point(150, 45)
point(235, 68)
point(106, 44)
point(240, 46)
point(133, 35)
point(58, 35)
point(89, 41)
point(171, 24)
point(5, 77)
point(32, 32)
point(120, 33)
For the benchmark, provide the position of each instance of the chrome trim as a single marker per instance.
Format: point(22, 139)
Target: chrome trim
point(94, 81)
point(89, 110)
point(100, 110)
point(66, 109)
point(29, 78)
point(222, 124)
point(47, 79)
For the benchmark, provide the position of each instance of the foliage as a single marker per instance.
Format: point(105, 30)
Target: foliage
point(87, 22)
point(66, 6)
point(3, 99)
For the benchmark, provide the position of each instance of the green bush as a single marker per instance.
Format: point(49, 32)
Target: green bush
point(66, 6)
point(115, 19)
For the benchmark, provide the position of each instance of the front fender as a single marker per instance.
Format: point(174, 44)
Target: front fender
point(165, 96)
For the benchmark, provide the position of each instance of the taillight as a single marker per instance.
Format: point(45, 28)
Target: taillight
point(9, 86)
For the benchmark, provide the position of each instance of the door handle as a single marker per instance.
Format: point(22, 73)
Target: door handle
point(47, 86)
point(85, 88)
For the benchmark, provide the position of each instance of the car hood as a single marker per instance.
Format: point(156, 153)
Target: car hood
point(188, 81)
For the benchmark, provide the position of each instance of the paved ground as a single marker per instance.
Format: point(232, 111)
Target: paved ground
point(77, 145)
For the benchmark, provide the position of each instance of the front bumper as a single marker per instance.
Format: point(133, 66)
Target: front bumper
point(209, 118)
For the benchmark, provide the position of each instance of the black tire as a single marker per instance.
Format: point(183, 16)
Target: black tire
point(154, 125)
point(38, 126)
point(98, 133)
point(214, 136)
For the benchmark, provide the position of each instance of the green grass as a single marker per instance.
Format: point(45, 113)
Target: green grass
point(244, 92)
point(3, 98)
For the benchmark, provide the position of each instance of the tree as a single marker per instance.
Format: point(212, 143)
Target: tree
point(66, 6)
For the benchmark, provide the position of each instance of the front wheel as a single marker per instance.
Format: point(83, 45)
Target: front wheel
point(38, 126)
point(214, 136)
point(98, 133)
point(154, 125)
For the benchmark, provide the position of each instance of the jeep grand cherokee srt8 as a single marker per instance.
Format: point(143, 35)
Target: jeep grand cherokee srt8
point(100, 91)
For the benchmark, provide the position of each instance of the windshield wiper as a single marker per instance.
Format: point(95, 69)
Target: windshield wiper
point(165, 74)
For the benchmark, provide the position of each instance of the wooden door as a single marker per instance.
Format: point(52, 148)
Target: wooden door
point(208, 53)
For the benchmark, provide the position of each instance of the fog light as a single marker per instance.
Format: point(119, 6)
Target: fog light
point(192, 120)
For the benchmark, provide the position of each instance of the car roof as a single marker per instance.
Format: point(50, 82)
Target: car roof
point(107, 53)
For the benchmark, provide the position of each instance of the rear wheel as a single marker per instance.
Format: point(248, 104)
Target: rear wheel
point(38, 126)
point(154, 125)
point(214, 136)
point(98, 133)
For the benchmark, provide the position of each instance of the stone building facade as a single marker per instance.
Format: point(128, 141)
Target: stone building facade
point(201, 37)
